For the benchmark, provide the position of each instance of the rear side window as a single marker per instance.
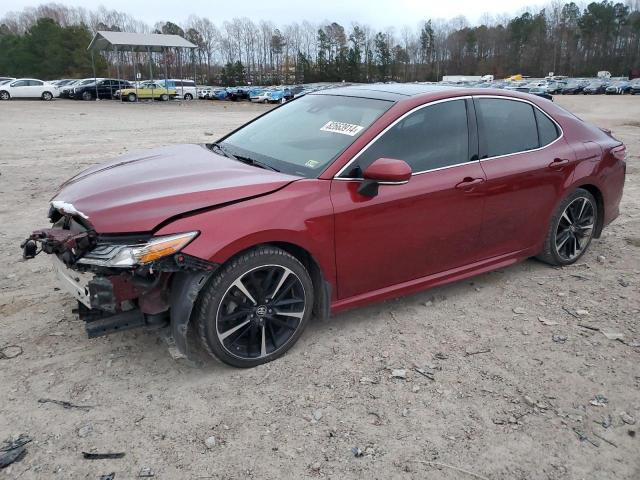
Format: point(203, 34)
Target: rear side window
point(547, 130)
point(433, 137)
point(508, 126)
point(35, 83)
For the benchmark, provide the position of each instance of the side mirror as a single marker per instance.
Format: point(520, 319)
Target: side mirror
point(386, 171)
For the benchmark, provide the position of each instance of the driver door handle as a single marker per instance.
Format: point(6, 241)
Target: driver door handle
point(468, 183)
point(558, 163)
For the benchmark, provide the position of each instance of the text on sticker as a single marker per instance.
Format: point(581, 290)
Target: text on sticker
point(343, 128)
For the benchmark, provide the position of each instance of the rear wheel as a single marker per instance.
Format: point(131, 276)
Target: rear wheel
point(4, 95)
point(571, 229)
point(131, 97)
point(255, 308)
point(47, 96)
point(188, 96)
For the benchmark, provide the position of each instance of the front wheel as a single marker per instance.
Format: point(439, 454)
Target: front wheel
point(4, 95)
point(255, 308)
point(164, 97)
point(188, 96)
point(131, 97)
point(571, 229)
point(87, 96)
point(46, 96)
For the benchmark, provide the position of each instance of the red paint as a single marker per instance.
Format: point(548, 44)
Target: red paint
point(439, 227)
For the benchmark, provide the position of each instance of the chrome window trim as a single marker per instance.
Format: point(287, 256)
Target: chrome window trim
point(435, 102)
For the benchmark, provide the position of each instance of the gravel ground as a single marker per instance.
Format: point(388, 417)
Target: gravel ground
point(519, 380)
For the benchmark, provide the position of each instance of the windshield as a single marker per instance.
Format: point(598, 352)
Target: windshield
point(305, 135)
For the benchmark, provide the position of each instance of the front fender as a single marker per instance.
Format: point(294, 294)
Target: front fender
point(300, 214)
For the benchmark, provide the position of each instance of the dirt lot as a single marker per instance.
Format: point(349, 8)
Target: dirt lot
point(509, 396)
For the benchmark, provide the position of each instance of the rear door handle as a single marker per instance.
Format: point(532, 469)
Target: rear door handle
point(468, 183)
point(558, 163)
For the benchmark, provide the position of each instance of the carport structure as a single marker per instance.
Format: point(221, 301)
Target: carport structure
point(140, 43)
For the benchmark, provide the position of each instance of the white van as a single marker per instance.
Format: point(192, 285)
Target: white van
point(186, 88)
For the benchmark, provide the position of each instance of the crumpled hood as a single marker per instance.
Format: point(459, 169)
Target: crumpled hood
point(138, 191)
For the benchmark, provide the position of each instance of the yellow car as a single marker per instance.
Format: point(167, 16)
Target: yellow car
point(147, 91)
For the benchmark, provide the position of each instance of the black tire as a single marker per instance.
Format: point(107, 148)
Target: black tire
point(565, 230)
point(164, 97)
point(4, 95)
point(47, 96)
point(131, 97)
point(188, 96)
point(244, 329)
point(87, 95)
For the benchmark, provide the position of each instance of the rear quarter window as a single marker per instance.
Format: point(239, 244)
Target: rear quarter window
point(547, 130)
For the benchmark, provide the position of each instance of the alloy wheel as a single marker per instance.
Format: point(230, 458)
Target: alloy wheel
point(47, 96)
point(575, 228)
point(4, 96)
point(260, 312)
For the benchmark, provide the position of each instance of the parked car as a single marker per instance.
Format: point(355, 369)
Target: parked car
point(220, 94)
point(554, 87)
point(4, 80)
point(63, 82)
point(572, 88)
point(260, 96)
point(67, 90)
point(205, 92)
point(635, 87)
point(238, 243)
point(186, 88)
point(595, 88)
point(146, 91)
point(540, 92)
point(28, 88)
point(102, 89)
point(618, 88)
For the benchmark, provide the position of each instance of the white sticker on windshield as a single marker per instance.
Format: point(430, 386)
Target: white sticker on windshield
point(343, 128)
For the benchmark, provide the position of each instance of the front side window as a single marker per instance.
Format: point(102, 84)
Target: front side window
point(20, 83)
point(433, 137)
point(507, 126)
point(304, 136)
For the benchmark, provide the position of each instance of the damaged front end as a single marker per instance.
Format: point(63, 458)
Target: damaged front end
point(123, 281)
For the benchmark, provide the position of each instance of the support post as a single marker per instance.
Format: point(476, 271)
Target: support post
point(117, 62)
point(195, 74)
point(95, 79)
point(180, 72)
point(166, 71)
point(135, 72)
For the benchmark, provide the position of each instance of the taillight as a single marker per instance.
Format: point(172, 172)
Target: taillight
point(619, 153)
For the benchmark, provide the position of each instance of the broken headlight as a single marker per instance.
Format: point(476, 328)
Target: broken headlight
point(124, 256)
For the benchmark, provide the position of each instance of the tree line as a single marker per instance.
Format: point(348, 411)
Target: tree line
point(50, 41)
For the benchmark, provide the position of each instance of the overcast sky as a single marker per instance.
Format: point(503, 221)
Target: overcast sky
point(378, 13)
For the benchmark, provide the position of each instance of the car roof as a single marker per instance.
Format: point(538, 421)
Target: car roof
point(391, 92)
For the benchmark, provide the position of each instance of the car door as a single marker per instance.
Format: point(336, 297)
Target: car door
point(20, 89)
point(35, 88)
point(528, 165)
point(428, 225)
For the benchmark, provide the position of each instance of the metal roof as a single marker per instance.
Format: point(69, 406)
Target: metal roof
point(137, 42)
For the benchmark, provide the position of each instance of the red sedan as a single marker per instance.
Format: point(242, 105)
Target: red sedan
point(331, 201)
